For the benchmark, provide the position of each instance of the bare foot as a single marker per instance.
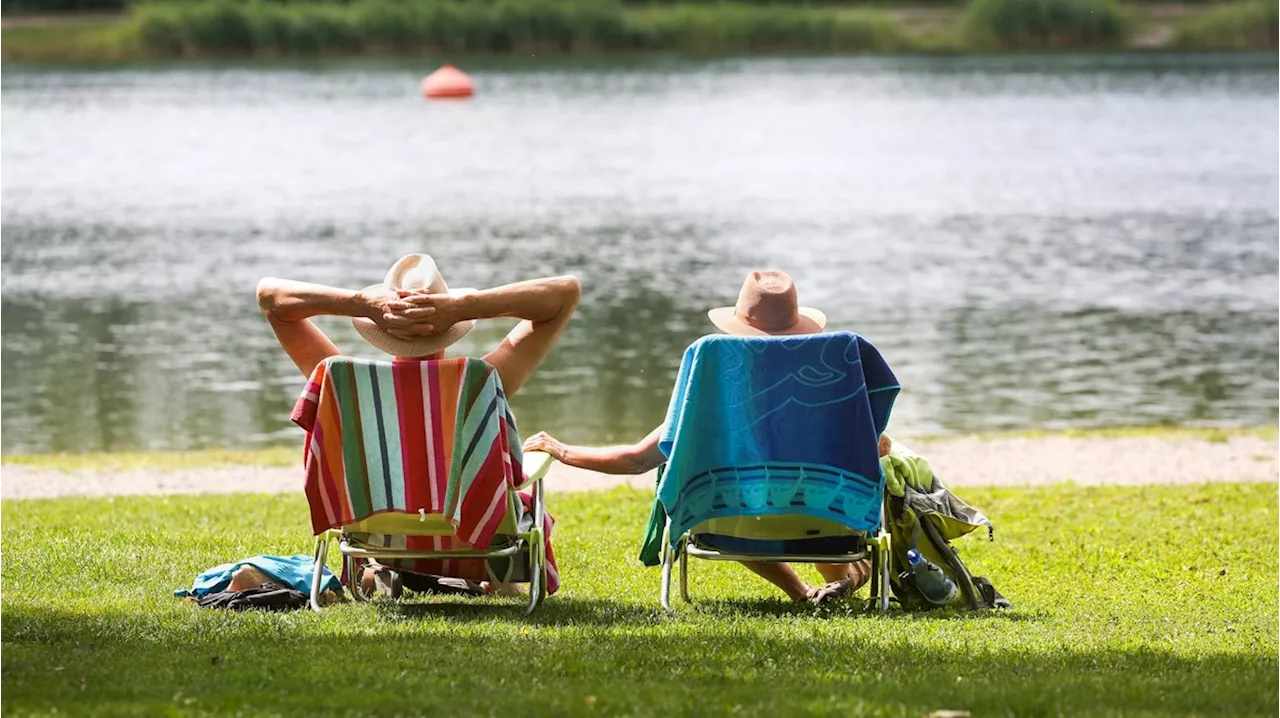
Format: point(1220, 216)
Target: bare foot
point(501, 589)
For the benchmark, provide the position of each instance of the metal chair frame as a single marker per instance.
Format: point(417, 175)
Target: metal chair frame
point(530, 542)
point(877, 546)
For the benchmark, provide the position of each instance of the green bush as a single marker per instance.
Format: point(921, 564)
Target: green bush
point(868, 31)
point(17, 7)
point(735, 28)
point(272, 28)
point(195, 27)
point(1043, 24)
point(158, 29)
point(390, 25)
point(220, 25)
point(1238, 26)
point(331, 29)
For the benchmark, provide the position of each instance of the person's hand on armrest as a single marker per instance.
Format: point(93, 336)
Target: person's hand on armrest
point(547, 444)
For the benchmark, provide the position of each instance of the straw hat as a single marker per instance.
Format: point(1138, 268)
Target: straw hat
point(415, 273)
point(767, 305)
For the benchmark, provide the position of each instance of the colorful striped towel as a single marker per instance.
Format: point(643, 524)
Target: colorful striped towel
point(433, 436)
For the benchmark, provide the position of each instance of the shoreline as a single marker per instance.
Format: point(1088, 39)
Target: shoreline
point(1103, 457)
point(94, 38)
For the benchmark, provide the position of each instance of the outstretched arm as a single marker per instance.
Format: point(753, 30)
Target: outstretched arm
point(289, 306)
point(624, 459)
point(633, 459)
point(544, 305)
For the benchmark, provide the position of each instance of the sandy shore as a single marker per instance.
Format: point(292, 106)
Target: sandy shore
point(960, 462)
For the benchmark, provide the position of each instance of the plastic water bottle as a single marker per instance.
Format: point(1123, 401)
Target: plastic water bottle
point(936, 586)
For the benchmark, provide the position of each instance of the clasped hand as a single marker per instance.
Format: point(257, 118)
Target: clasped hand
point(409, 315)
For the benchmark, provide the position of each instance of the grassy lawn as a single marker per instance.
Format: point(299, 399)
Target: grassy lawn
point(1151, 601)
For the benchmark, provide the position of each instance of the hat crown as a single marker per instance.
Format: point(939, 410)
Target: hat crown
point(418, 273)
point(413, 273)
point(768, 301)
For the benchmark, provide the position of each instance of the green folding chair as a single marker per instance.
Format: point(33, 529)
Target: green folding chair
point(403, 534)
point(763, 538)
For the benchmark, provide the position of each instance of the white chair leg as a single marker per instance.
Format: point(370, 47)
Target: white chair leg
point(317, 570)
point(684, 573)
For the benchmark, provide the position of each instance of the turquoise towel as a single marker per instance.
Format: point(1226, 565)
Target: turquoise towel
point(290, 571)
point(776, 425)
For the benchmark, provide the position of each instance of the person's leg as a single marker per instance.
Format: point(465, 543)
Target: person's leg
point(833, 571)
point(782, 576)
point(375, 578)
point(858, 572)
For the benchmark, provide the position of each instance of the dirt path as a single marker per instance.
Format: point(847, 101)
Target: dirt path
point(960, 462)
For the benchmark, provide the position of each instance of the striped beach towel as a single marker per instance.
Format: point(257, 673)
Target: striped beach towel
point(430, 436)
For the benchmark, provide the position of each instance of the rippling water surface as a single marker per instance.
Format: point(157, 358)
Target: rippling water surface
point(1051, 242)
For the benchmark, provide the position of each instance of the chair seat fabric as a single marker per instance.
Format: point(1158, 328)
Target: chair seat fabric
point(820, 546)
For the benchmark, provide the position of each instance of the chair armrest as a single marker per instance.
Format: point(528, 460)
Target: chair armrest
point(536, 466)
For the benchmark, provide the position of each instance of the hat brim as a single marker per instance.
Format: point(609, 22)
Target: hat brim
point(811, 321)
point(420, 347)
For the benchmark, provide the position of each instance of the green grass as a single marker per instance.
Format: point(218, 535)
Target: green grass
point(1236, 26)
point(1152, 601)
point(91, 40)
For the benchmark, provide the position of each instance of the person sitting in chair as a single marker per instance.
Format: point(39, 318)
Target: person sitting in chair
point(413, 315)
point(767, 306)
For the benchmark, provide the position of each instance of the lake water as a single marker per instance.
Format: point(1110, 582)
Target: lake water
point(1062, 241)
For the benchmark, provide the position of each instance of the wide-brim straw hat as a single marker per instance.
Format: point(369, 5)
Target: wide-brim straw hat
point(768, 306)
point(414, 273)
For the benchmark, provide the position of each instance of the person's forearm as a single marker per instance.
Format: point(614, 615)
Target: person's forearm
point(605, 459)
point(289, 301)
point(537, 300)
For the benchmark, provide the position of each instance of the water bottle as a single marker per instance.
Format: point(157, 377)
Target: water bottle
point(936, 586)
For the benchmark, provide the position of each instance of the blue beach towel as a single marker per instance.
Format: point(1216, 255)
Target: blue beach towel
point(777, 425)
point(289, 571)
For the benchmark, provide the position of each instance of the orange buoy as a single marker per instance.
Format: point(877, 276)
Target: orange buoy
point(447, 82)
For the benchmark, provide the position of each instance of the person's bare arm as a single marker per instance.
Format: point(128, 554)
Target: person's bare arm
point(289, 306)
point(633, 459)
point(544, 305)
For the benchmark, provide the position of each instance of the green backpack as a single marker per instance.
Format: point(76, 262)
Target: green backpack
point(922, 514)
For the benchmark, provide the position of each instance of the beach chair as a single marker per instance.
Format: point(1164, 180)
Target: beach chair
point(772, 446)
point(418, 465)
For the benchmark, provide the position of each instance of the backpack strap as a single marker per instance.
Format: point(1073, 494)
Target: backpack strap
point(974, 599)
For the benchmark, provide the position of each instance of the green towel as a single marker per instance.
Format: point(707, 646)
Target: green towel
point(903, 467)
point(651, 550)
